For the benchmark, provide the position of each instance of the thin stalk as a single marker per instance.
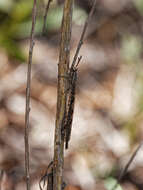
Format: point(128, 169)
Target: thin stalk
point(125, 169)
point(63, 68)
point(28, 86)
point(83, 33)
point(45, 16)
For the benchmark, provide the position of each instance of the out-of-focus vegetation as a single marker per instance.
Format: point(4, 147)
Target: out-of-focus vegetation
point(108, 119)
point(15, 17)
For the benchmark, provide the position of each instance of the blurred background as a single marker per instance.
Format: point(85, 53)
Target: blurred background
point(108, 118)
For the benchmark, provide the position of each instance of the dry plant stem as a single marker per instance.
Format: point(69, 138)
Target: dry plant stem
point(130, 161)
point(127, 165)
point(27, 110)
point(1, 177)
point(63, 67)
point(83, 33)
point(45, 16)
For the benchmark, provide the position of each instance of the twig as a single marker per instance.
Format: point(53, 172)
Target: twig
point(63, 68)
point(48, 176)
point(45, 16)
point(83, 33)
point(127, 165)
point(1, 177)
point(27, 109)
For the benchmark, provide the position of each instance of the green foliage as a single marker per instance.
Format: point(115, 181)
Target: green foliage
point(130, 127)
point(13, 13)
point(15, 17)
point(139, 5)
point(54, 17)
point(12, 49)
point(111, 184)
point(21, 11)
point(6, 5)
point(131, 48)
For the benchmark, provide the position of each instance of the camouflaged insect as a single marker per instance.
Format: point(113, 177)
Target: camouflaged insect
point(71, 102)
point(70, 106)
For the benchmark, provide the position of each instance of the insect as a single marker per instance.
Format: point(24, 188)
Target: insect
point(71, 102)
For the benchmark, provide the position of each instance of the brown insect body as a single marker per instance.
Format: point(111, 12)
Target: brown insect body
point(70, 106)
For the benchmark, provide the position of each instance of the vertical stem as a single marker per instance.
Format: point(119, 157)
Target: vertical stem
point(125, 169)
point(27, 109)
point(63, 67)
point(83, 33)
point(45, 16)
